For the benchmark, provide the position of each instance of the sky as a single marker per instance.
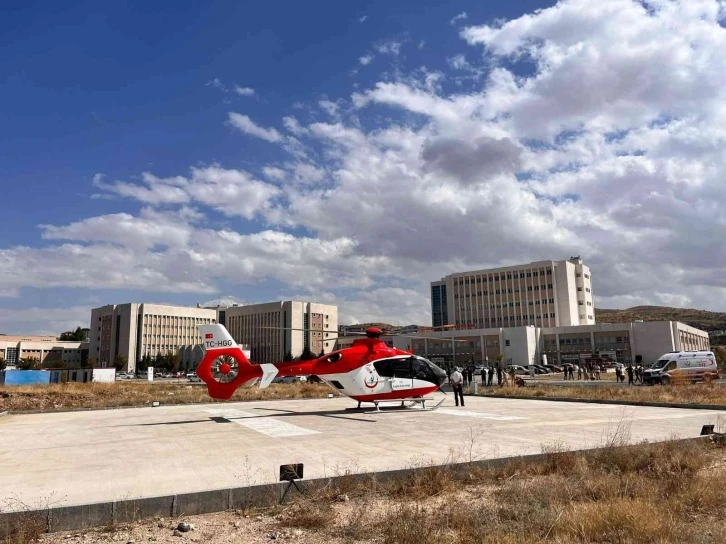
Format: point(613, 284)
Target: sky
point(351, 153)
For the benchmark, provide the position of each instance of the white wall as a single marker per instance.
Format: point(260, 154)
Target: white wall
point(652, 339)
point(104, 375)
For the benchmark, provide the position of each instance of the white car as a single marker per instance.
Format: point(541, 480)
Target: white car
point(518, 369)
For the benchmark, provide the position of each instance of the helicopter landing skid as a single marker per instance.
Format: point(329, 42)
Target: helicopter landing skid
point(405, 404)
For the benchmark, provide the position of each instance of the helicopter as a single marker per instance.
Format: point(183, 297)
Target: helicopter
point(368, 371)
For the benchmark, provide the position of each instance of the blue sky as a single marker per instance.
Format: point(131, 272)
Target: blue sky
point(119, 89)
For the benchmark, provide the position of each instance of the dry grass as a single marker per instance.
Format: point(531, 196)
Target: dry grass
point(22, 529)
point(649, 493)
point(100, 395)
point(699, 393)
point(644, 494)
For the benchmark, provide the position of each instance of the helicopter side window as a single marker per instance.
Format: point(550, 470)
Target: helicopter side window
point(402, 368)
point(384, 367)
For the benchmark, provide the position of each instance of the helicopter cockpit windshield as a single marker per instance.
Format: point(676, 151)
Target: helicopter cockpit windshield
point(426, 370)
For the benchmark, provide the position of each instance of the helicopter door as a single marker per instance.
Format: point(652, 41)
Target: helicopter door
point(402, 374)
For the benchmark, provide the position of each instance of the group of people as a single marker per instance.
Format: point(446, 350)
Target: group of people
point(592, 372)
point(586, 373)
point(635, 374)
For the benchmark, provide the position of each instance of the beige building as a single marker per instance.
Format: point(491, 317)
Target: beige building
point(135, 330)
point(543, 294)
point(274, 329)
point(43, 348)
point(637, 342)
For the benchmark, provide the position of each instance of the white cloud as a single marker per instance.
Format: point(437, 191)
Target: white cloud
point(216, 83)
point(246, 125)
point(390, 47)
point(244, 91)
point(233, 192)
point(456, 18)
point(331, 107)
point(458, 62)
point(43, 321)
point(274, 173)
point(365, 60)
point(597, 129)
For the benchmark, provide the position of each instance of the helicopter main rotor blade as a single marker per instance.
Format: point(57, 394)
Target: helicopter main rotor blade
point(312, 330)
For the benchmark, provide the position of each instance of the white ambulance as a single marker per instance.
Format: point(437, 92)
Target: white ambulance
point(686, 366)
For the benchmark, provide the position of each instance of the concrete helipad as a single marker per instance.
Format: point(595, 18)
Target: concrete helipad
point(86, 457)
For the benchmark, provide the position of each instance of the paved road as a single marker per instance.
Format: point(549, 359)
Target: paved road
point(83, 457)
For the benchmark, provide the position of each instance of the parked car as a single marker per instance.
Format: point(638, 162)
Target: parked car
point(539, 369)
point(167, 375)
point(286, 379)
point(518, 369)
point(553, 368)
point(124, 376)
point(192, 377)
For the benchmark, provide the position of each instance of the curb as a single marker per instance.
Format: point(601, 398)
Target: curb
point(110, 513)
point(3, 413)
point(618, 402)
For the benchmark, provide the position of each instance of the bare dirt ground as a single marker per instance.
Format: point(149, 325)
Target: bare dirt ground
point(650, 493)
point(699, 393)
point(125, 394)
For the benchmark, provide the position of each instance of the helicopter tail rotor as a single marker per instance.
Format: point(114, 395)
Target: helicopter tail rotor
point(224, 366)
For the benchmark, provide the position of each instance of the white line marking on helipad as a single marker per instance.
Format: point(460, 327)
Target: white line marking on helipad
point(265, 425)
point(478, 415)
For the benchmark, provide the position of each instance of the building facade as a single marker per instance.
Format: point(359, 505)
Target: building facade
point(135, 330)
point(637, 343)
point(274, 329)
point(47, 350)
point(542, 294)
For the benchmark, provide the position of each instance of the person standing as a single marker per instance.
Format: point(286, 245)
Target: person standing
point(499, 376)
point(579, 372)
point(597, 372)
point(484, 376)
point(490, 378)
point(630, 374)
point(457, 384)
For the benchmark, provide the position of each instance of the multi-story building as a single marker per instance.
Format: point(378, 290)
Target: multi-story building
point(43, 349)
point(543, 294)
point(276, 329)
point(639, 343)
point(135, 330)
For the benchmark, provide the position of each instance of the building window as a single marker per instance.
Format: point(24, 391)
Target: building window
point(506, 343)
point(579, 288)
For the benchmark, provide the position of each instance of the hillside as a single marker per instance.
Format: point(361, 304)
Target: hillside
point(701, 319)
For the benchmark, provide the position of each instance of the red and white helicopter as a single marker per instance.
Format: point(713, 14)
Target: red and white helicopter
point(367, 371)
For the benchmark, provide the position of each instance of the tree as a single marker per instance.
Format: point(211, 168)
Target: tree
point(307, 355)
point(28, 363)
point(499, 358)
point(121, 362)
point(172, 361)
point(79, 335)
point(91, 362)
point(288, 357)
point(144, 363)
